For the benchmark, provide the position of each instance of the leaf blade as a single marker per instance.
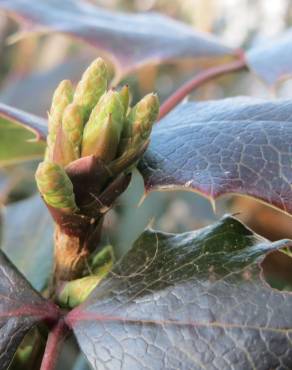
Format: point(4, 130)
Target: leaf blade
point(130, 40)
point(20, 309)
point(21, 134)
point(272, 60)
point(235, 145)
point(201, 303)
point(29, 121)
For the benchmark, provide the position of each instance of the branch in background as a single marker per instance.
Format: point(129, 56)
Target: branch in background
point(199, 80)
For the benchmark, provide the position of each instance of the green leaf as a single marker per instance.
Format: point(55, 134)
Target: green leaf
point(188, 301)
point(16, 143)
point(129, 40)
point(28, 239)
point(31, 122)
point(237, 145)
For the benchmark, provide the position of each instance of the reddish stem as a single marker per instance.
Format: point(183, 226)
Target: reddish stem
point(53, 346)
point(199, 80)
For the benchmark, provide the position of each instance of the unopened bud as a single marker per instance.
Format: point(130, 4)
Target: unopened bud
point(91, 86)
point(106, 142)
point(125, 97)
point(55, 186)
point(102, 132)
point(72, 129)
point(138, 124)
point(76, 291)
point(143, 115)
point(63, 96)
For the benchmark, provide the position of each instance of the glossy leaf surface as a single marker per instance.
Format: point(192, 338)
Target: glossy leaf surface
point(236, 145)
point(272, 59)
point(28, 239)
point(188, 301)
point(20, 309)
point(130, 40)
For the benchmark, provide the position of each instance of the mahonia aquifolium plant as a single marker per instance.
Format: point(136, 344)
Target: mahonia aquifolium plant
point(95, 138)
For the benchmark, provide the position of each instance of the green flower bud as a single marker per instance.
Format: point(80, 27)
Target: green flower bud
point(125, 97)
point(91, 86)
point(138, 124)
point(55, 186)
point(72, 129)
point(106, 142)
point(143, 115)
point(102, 132)
point(63, 96)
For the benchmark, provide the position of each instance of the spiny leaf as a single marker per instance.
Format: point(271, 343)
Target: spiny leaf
point(188, 301)
point(20, 309)
point(236, 145)
point(130, 40)
point(28, 239)
point(272, 59)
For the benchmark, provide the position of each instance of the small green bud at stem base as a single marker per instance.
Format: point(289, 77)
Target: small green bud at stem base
point(76, 291)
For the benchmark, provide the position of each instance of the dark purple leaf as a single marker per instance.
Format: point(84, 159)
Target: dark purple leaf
point(272, 60)
point(188, 301)
point(20, 309)
point(237, 145)
point(130, 40)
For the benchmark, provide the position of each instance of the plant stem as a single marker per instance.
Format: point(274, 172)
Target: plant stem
point(72, 252)
point(53, 346)
point(199, 80)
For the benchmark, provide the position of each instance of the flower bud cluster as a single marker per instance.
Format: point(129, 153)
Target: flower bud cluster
point(90, 121)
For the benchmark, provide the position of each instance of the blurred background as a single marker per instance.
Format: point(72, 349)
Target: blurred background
point(31, 68)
